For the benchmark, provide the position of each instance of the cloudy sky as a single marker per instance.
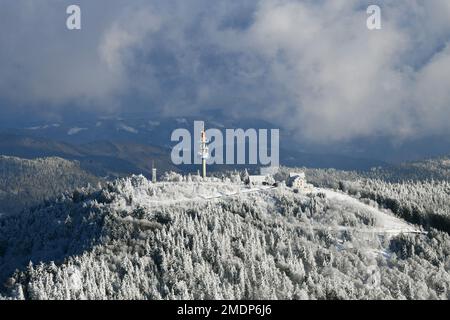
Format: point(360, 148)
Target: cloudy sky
point(312, 66)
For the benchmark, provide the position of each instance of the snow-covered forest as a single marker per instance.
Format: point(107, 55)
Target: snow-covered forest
point(25, 183)
point(424, 201)
point(181, 238)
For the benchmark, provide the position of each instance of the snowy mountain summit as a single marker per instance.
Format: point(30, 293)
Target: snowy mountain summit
point(187, 238)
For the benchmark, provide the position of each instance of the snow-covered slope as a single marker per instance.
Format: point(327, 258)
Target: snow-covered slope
point(386, 222)
point(171, 240)
point(25, 182)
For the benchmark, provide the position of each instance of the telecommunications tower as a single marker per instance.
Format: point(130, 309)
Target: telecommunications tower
point(204, 151)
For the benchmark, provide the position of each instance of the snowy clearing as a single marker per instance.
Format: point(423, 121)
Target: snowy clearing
point(74, 131)
point(386, 223)
point(375, 221)
point(126, 128)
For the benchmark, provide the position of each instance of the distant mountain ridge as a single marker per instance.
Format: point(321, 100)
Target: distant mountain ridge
point(71, 139)
point(101, 158)
point(430, 169)
point(25, 183)
point(153, 128)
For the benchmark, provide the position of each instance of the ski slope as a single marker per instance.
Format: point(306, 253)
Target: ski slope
point(386, 222)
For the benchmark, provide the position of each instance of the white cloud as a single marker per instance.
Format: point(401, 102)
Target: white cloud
point(432, 94)
point(343, 81)
point(125, 35)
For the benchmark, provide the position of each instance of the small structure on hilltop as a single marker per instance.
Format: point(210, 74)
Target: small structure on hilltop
point(297, 181)
point(204, 151)
point(153, 172)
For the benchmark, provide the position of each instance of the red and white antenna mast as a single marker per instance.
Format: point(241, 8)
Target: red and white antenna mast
point(204, 151)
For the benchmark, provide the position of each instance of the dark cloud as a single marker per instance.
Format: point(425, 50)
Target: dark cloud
point(311, 66)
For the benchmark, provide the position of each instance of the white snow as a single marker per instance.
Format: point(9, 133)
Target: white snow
point(54, 125)
point(75, 279)
point(167, 193)
point(127, 128)
point(75, 130)
point(386, 222)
